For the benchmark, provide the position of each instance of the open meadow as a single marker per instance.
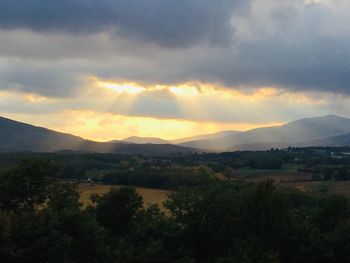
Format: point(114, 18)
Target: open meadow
point(150, 196)
point(322, 187)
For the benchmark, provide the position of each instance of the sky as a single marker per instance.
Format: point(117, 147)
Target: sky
point(109, 69)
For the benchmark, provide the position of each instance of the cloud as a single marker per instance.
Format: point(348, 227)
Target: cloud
point(169, 23)
point(211, 105)
point(52, 80)
point(51, 47)
point(292, 45)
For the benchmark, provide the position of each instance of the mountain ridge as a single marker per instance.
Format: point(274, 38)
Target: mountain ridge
point(22, 137)
point(145, 140)
point(329, 130)
point(295, 132)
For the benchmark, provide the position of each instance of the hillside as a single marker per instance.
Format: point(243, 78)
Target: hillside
point(335, 141)
point(21, 137)
point(293, 133)
point(328, 130)
point(17, 136)
point(204, 137)
point(145, 140)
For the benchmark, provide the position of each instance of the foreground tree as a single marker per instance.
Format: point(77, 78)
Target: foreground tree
point(26, 187)
point(117, 209)
point(41, 219)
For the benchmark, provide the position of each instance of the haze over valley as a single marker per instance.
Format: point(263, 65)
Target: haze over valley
point(330, 130)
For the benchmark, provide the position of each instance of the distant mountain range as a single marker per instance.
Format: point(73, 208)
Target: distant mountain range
point(154, 140)
point(145, 140)
point(20, 137)
point(337, 141)
point(330, 130)
point(304, 132)
point(212, 136)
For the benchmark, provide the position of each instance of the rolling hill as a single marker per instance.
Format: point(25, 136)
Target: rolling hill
point(335, 141)
point(204, 137)
point(296, 133)
point(21, 137)
point(145, 140)
point(328, 130)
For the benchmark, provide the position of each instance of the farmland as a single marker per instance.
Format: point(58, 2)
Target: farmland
point(150, 196)
point(220, 205)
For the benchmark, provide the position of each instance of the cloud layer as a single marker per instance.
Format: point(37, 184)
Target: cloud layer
point(293, 44)
point(170, 22)
point(53, 48)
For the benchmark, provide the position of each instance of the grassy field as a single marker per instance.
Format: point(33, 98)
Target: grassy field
point(150, 196)
point(284, 179)
point(281, 177)
point(249, 172)
point(331, 187)
point(301, 181)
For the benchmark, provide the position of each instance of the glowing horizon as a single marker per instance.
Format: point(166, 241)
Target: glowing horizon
point(106, 127)
point(113, 110)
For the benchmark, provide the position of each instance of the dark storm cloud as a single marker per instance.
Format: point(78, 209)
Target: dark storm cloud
point(322, 66)
point(295, 46)
point(47, 80)
point(286, 44)
point(166, 22)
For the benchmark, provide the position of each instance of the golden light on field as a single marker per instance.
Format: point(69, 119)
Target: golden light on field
point(150, 196)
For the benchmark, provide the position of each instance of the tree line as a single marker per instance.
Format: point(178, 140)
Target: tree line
point(42, 220)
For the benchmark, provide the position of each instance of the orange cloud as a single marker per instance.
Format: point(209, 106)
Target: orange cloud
point(124, 87)
point(193, 90)
point(108, 110)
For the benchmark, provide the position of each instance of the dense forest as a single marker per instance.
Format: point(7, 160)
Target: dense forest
point(212, 220)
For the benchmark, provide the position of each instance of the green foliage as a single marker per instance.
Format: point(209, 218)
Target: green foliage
point(42, 220)
point(26, 187)
point(117, 209)
point(214, 221)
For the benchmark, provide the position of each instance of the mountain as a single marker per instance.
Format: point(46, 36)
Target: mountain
point(335, 141)
point(290, 134)
point(17, 136)
point(21, 137)
point(145, 140)
point(205, 137)
point(328, 130)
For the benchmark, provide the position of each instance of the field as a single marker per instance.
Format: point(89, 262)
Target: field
point(280, 177)
point(286, 168)
point(150, 196)
point(330, 187)
point(290, 177)
point(288, 173)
